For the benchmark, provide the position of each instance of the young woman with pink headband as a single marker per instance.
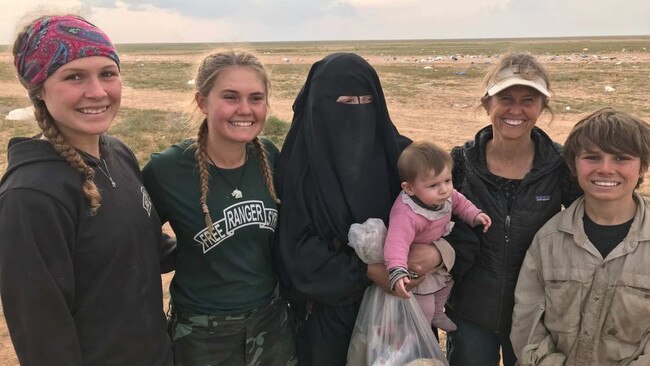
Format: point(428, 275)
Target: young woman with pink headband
point(79, 257)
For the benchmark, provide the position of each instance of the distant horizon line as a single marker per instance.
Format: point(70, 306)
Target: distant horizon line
point(411, 39)
point(7, 46)
point(395, 40)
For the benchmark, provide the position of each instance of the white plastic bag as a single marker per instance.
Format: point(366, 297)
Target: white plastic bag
point(389, 330)
point(367, 239)
point(392, 331)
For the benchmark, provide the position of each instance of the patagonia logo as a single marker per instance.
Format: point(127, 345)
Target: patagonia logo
point(542, 198)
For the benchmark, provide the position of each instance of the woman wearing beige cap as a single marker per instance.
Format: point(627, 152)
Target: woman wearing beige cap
point(515, 173)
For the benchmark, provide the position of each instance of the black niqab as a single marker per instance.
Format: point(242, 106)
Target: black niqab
point(338, 166)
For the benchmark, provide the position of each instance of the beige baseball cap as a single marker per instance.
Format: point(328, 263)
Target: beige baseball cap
point(511, 76)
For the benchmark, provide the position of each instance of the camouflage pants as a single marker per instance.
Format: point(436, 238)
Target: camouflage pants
point(262, 337)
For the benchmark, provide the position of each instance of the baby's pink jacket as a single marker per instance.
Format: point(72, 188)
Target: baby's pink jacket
point(406, 226)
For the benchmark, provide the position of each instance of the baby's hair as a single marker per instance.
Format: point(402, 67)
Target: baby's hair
point(611, 131)
point(422, 158)
point(206, 75)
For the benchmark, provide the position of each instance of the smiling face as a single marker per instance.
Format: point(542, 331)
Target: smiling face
point(606, 177)
point(83, 97)
point(235, 107)
point(432, 189)
point(514, 111)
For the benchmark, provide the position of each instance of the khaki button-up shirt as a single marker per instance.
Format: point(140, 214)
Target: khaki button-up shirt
point(574, 307)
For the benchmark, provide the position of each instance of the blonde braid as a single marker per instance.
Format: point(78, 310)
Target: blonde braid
point(208, 71)
point(66, 151)
point(266, 168)
point(201, 156)
point(48, 126)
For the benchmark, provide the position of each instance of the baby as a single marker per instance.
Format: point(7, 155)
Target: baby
point(422, 214)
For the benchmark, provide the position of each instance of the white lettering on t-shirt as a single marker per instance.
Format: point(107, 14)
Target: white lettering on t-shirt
point(235, 217)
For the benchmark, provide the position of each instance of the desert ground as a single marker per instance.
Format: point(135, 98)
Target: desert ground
point(432, 89)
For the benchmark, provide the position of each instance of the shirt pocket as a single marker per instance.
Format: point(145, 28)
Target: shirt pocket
point(628, 318)
point(563, 299)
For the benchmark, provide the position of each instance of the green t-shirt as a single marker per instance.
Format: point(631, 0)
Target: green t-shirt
point(232, 272)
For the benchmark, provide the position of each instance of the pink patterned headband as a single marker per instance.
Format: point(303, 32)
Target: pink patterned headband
point(52, 42)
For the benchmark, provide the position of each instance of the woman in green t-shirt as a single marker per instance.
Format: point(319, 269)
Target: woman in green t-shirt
point(217, 193)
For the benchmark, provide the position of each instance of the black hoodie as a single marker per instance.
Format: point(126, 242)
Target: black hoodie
point(80, 289)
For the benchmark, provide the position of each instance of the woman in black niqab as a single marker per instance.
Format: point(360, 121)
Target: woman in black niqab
point(338, 166)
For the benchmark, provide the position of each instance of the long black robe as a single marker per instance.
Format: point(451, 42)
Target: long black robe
point(338, 166)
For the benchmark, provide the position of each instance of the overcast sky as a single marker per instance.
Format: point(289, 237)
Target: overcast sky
point(142, 21)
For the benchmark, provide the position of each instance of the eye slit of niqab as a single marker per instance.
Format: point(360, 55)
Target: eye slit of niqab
point(354, 99)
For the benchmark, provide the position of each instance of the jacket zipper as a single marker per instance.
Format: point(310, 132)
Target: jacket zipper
point(505, 251)
point(505, 268)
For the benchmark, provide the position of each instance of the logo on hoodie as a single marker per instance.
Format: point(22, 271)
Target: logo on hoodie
point(146, 201)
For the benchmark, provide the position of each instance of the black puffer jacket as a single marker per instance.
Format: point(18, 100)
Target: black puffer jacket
point(489, 263)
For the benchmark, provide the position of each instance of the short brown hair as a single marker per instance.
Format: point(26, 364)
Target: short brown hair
point(611, 131)
point(422, 157)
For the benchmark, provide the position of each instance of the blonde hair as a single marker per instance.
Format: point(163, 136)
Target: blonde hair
point(529, 68)
point(611, 131)
point(422, 158)
point(49, 129)
point(207, 73)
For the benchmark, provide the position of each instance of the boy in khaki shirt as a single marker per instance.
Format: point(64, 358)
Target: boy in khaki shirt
point(583, 294)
